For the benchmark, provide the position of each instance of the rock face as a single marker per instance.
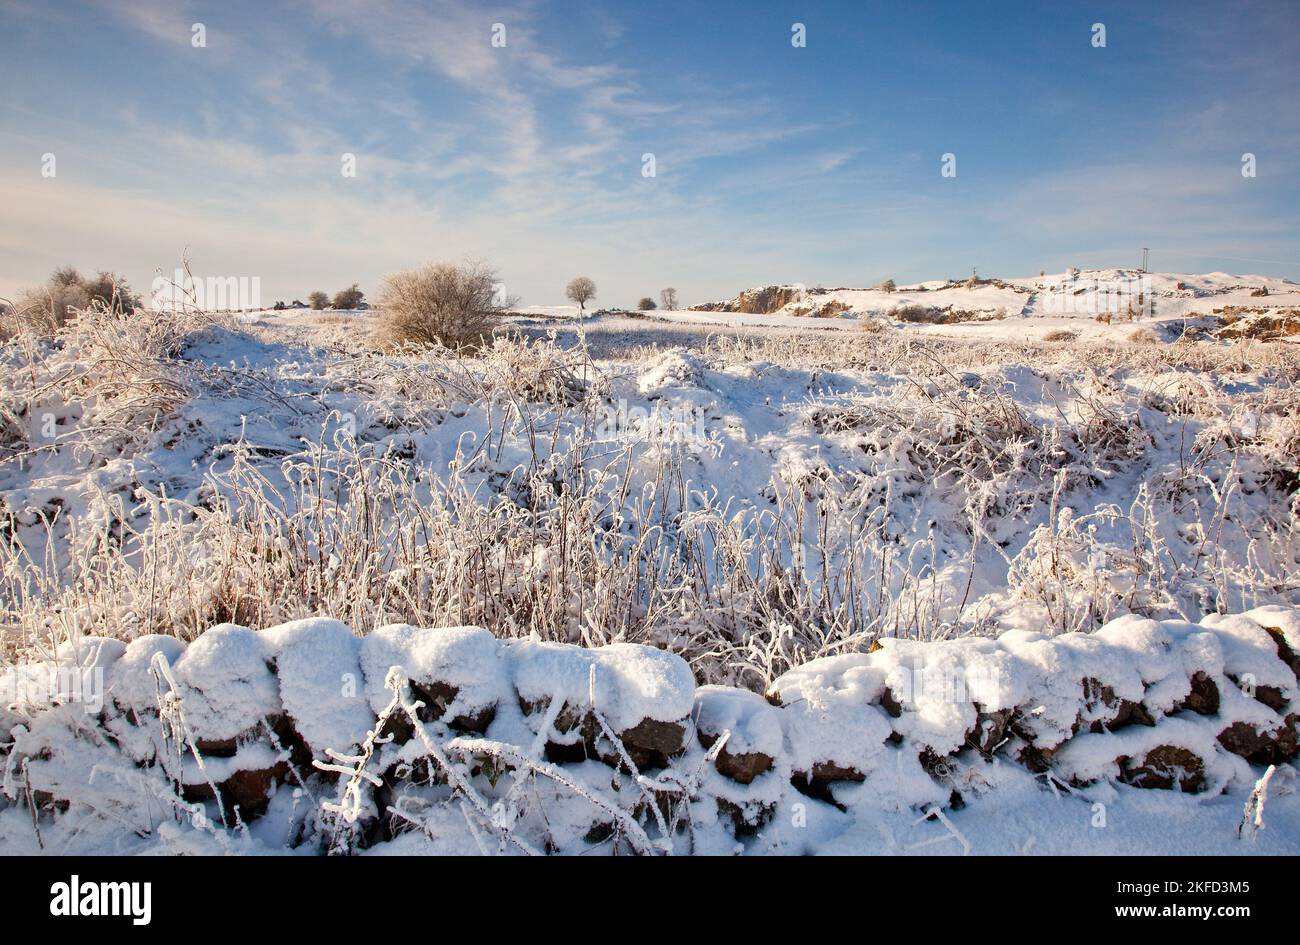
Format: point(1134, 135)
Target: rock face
point(763, 300)
point(1259, 323)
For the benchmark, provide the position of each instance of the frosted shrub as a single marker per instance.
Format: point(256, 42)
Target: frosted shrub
point(440, 304)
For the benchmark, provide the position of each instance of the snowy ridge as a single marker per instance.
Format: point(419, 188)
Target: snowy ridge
point(305, 736)
point(1084, 302)
point(1179, 295)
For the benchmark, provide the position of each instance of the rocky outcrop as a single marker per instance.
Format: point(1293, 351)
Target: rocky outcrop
point(763, 300)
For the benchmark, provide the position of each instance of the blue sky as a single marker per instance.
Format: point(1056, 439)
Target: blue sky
point(773, 163)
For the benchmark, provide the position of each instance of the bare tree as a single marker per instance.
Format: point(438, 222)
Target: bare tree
point(668, 298)
point(318, 300)
point(887, 286)
point(646, 304)
point(441, 303)
point(581, 290)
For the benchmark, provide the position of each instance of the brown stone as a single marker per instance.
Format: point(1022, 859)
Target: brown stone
point(250, 791)
point(1036, 759)
point(817, 783)
point(1204, 696)
point(1287, 739)
point(1271, 696)
point(1164, 767)
point(1242, 739)
point(989, 731)
point(1131, 713)
point(1284, 651)
point(247, 791)
point(1263, 748)
point(437, 696)
point(936, 766)
point(746, 819)
point(829, 771)
point(286, 733)
point(651, 743)
point(890, 703)
point(217, 747)
point(1121, 712)
point(742, 767)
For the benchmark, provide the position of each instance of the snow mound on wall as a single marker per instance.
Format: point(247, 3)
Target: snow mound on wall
point(318, 663)
point(549, 746)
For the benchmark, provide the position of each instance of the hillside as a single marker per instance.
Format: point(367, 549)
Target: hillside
point(1080, 294)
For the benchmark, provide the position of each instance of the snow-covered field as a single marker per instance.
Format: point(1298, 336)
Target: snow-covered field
point(749, 491)
point(1091, 305)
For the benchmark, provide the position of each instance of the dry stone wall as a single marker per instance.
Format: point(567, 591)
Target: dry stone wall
point(544, 747)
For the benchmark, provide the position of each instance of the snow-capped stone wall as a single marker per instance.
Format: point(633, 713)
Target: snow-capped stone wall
point(545, 747)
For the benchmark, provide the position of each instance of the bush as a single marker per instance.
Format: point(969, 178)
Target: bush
point(349, 298)
point(440, 304)
point(1060, 334)
point(66, 292)
point(917, 314)
point(49, 307)
point(112, 291)
point(318, 300)
point(646, 304)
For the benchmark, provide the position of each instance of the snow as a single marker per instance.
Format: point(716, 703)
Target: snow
point(940, 685)
point(753, 724)
point(132, 684)
point(632, 682)
point(932, 474)
point(1029, 308)
point(1282, 618)
point(318, 664)
point(468, 658)
point(225, 684)
point(829, 714)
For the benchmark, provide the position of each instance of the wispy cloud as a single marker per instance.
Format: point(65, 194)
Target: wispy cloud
point(769, 165)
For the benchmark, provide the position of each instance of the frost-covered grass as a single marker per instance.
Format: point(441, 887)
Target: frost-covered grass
point(811, 492)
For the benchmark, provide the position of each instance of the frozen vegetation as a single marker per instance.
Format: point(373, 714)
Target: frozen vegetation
point(665, 519)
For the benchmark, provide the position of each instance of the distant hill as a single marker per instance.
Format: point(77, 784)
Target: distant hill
point(1077, 293)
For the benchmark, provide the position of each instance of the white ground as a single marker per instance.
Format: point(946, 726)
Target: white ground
point(967, 488)
point(1034, 306)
